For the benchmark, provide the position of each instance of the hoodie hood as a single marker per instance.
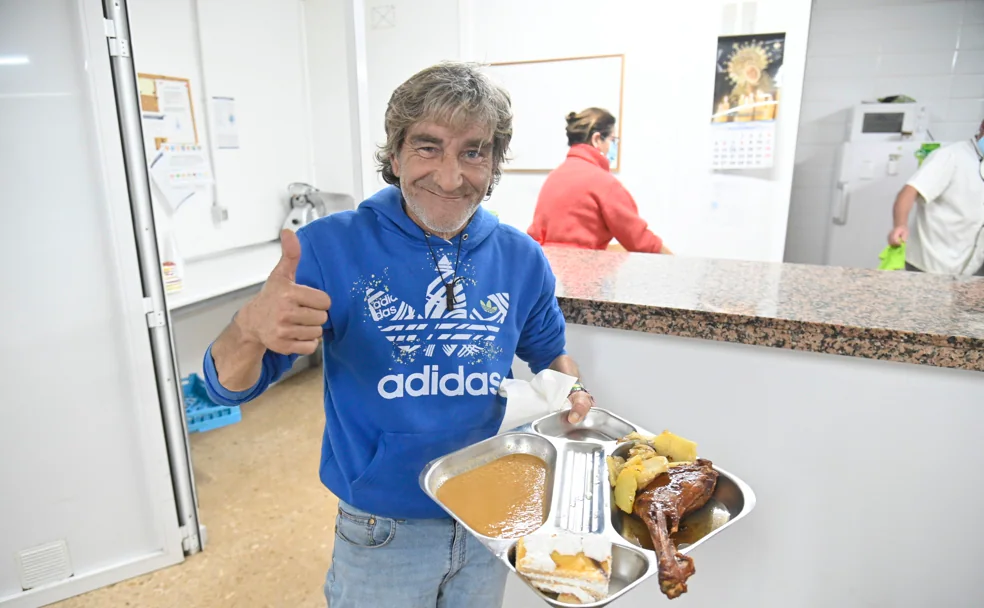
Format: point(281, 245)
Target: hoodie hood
point(387, 204)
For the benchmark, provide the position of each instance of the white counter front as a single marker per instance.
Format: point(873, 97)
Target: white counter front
point(866, 472)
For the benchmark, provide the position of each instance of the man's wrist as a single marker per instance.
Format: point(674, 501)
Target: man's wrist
point(578, 388)
point(244, 335)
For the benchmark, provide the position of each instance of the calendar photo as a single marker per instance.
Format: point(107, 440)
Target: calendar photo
point(748, 78)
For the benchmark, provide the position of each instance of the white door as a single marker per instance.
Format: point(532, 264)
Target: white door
point(861, 212)
point(86, 492)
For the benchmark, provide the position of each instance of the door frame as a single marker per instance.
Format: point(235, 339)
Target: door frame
point(163, 452)
point(172, 411)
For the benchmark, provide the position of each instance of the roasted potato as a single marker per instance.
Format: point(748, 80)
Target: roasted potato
point(674, 447)
point(649, 470)
point(625, 489)
point(615, 464)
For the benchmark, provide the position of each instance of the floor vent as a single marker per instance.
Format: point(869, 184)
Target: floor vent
point(44, 564)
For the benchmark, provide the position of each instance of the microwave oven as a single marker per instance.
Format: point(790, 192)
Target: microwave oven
point(888, 122)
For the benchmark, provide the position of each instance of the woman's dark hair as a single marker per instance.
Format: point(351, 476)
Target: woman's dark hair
point(582, 125)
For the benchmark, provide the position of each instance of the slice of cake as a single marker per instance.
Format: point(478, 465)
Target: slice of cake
point(568, 564)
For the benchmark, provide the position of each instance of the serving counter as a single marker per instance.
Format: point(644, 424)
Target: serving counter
point(851, 401)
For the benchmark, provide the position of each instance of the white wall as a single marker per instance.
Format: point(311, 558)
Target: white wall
point(423, 34)
point(668, 82)
point(327, 59)
point(258, 58)
point(865, 49)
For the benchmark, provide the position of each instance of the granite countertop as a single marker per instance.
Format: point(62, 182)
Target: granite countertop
point(897, 316)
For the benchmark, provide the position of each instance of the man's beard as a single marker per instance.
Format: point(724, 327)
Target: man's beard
point(446, 226)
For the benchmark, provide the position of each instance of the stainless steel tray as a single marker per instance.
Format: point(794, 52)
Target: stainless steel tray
point(579, 494)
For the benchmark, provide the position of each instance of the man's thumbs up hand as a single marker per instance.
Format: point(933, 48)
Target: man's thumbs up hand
point(286, 317)
point(290, 255)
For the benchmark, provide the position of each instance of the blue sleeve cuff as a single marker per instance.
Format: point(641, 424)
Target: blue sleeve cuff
point(222, 395)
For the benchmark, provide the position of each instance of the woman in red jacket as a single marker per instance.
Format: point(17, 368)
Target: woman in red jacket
point(582, 204)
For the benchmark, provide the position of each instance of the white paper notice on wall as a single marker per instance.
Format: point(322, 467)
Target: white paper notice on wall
point(175, 106)
point(226, 123)
point(743, 145)
point(179, 171)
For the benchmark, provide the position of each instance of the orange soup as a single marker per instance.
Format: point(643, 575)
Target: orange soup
point(505, 498)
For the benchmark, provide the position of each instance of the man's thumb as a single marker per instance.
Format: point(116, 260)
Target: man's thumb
point(290, 255)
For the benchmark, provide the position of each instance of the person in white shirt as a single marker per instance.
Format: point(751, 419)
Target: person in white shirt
point(948, 232)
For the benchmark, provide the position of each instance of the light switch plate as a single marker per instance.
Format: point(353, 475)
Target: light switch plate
point(219, 214)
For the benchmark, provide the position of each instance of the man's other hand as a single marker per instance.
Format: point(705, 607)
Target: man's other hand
point(581, 402)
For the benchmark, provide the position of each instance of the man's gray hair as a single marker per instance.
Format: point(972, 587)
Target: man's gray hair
point(453, 94)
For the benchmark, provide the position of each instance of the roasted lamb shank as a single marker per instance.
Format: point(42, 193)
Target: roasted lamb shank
point(662, 505)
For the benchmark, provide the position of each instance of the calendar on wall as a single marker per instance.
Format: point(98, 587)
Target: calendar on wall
point(747, 93)
point(743, 145)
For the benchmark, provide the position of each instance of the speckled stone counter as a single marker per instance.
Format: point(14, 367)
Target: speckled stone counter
point(896, 316)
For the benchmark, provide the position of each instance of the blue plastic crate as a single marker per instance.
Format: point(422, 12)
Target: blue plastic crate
point(201, 413)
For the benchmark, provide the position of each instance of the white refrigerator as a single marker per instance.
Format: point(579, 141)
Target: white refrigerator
point(95, 480)
point(868, 177)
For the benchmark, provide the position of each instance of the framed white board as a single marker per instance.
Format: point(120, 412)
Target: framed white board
point(544, 92)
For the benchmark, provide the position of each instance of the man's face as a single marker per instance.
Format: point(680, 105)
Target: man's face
point(444, 174)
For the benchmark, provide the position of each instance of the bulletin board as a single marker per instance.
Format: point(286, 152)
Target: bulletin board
point(544, 92)
point(167, 110)
point(178, 166)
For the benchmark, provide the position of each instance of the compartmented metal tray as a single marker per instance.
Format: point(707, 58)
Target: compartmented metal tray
point(579, 495)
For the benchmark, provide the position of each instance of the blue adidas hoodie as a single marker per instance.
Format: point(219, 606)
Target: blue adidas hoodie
point(407, 381)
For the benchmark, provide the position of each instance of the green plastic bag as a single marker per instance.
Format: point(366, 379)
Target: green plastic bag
point(892, 258)
point(924, 151)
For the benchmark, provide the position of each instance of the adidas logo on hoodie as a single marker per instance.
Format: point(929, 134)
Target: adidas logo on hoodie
point(431, 382)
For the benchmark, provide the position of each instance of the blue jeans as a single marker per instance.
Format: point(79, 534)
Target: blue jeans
point(410, 563)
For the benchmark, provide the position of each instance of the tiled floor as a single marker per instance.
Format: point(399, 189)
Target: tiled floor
point(270, 521)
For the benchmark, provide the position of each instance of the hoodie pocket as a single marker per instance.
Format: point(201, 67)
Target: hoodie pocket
point(374, 465)
point(394, 471)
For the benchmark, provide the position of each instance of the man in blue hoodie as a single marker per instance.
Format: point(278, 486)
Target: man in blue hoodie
point(421, 299)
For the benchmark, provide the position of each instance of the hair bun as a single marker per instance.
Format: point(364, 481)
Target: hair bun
point(572, 117)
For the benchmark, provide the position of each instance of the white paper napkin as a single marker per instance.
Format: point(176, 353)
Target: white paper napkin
point(527, 401)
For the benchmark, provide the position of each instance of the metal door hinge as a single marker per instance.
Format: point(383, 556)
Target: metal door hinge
point(118, 47)
point(155, 318)
point(192, 542)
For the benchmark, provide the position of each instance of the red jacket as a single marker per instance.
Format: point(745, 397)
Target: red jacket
point(583, 205)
